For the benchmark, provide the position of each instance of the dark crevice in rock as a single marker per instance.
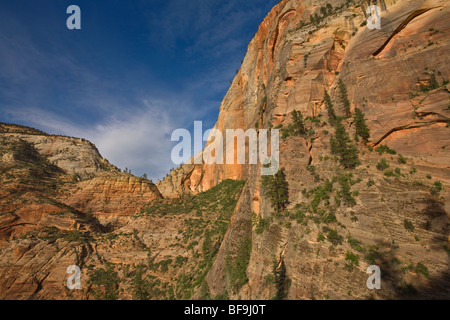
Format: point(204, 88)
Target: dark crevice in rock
point(39, 285)
point(310, 155)
point(408, 127)
point(277, 31)
point(403, 25)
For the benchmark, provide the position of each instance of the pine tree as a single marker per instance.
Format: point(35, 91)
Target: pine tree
point(433, 82)
point(276, 189)
point(341, 146)
point(330, 108)
point(140, 285)
point(299, 125)
point(362, 129)
point(281, 281)
point(344, 97)
point(329, 8)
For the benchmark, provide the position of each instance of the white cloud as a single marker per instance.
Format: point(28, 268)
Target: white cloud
point(140, 142)
point(137, 138)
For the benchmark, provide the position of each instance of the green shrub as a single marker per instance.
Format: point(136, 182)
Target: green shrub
point(382, 165)
point(407, 289)
point(355, 244)
point(262, 225)
point(401, 159)
point(334, 237)
point(422, 269)
point(409, 226)
point(446, 249)
point(385, 149)
point(436, 188)
point(390, 173)
point(320, 237)
point(352, 260)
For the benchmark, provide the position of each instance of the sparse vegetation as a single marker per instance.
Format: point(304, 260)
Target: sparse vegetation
point(401, 159)
point(352, 261)
point(382, 165)
point(355, 244)
point(422, 269)
point(432, 84)
point(104, 283)
point(409, 226)
point(334, 237)
point(436, 188)
point(237, 268)
point(385, 149)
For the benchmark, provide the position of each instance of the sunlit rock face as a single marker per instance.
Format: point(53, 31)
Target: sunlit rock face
point(320, 246)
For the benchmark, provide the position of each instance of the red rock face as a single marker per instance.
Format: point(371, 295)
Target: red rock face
point(383, 70)
point(410, 45)
point(112, 198)
point(399, 218)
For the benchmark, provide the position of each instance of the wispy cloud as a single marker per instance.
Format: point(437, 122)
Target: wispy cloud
point(138, 140)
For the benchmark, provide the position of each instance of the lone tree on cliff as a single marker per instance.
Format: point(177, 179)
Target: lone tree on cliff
point(344, 97)
point(330, 108)
point(276, 189)
point(299, 124)
point(362, 129)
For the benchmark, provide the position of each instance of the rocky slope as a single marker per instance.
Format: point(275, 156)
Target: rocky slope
point(61, 203)
point(59, 186)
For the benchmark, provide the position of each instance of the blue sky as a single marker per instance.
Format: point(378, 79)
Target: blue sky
point(135, 72)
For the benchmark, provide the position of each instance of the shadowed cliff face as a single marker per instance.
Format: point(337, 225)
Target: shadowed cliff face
point(63, 204)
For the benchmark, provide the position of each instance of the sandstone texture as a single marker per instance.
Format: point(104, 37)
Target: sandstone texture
point(216, 234)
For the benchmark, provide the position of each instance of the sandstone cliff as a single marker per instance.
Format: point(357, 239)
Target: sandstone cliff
point(389, 75)
point(214, 237)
